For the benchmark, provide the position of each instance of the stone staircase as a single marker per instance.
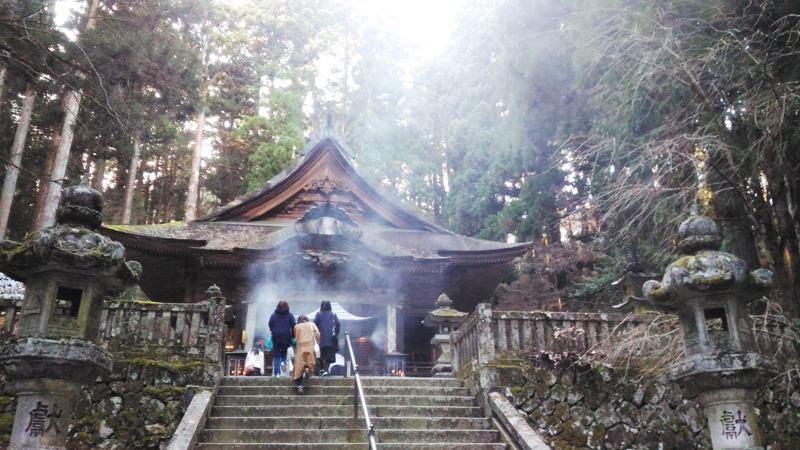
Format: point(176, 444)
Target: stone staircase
point(264, 413)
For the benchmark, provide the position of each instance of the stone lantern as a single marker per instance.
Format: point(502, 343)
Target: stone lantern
point(709, 290)
point(445, 319)
point(68, 270)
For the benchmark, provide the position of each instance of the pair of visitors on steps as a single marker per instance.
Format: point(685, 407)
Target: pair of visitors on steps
point(306, 334)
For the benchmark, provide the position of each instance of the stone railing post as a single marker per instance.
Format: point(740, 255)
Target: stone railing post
point(487, 376)
point(216, 322)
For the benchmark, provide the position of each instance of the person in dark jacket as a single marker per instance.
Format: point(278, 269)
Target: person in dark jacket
point(281, 324)
point(328, 324)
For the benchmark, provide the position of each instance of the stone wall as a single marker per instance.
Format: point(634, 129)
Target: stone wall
point(8, 403)
point(575, 406)
point(138, 407)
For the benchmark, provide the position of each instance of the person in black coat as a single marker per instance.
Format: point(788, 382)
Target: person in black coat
point(328, 324)
point(281, 324)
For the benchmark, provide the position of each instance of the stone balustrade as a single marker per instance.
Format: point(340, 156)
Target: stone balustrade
point(486, 334)
point(123, 325)
point(187, 326)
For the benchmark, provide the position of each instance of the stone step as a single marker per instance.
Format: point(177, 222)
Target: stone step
point(345, 411)
point(311, 401)
point(340, 381)
point(322, 389)
point(348, 436)
point(330, 423)
point(353, 446)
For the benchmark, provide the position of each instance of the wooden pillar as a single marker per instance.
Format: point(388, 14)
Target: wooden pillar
point(250, 327)
point(391, 329)
point(239, 323)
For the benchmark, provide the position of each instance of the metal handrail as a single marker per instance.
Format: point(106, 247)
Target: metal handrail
point(359, 394)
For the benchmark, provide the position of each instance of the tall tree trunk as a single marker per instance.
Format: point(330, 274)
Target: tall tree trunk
point(53, 195)
point(71, 108)
point(190, 212)
point(3, 72)
point(99, 172)
point(131, 186)
point(158, 214)
point(44, 183)
point(12, 169)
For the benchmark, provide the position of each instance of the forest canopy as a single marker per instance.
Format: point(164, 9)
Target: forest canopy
point(605, 122)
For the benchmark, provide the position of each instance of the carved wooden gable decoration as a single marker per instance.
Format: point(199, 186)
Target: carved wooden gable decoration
point(325, 175)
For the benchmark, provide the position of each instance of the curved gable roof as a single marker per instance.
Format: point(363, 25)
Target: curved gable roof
point(328, 159)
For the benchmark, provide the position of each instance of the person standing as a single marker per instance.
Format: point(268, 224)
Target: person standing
point(254, 362)
point(328, 324)
point(281, 325)
point(305, 358)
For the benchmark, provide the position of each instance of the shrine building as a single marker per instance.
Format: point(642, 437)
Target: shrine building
point(318, 231)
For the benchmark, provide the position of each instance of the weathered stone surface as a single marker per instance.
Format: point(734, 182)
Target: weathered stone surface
point(595, 394)
point(606, 415)
point(562, 412)
point(673, 395)
point(574, 395)
point(620, 437)
point(105, 431)
point(664, 420)
point(545, 376)
point(794, 399)
point(581, 415)
point(638, 396)
point(558, 393)
point(654, 392)
point(549, 406)
point(629, 414)
point(692, 415)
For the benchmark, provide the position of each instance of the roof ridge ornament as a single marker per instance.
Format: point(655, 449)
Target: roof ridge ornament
point(329, 131)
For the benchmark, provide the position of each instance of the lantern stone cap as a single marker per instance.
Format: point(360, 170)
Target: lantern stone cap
point(443, 313)
point(69, 359)
point(705, 270)
point(729, 370)
point(213, 291)
point(81, 206)
point(698, 233)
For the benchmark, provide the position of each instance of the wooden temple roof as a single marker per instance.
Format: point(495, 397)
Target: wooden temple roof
point(264, 218)
point(320, 208)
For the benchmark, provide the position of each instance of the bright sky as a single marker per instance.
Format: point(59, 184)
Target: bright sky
point(426, 24)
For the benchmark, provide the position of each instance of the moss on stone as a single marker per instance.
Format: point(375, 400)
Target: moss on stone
point(561, 410)
point(598, 437)
point(134, 302)
point(164, 392)
point(172, 366)
point(6, 422)
point(571, 436)
point(5, 401)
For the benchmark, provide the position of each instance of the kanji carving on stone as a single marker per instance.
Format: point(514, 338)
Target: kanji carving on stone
point(733, 427)
point(38, 420)
point(53, 416)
